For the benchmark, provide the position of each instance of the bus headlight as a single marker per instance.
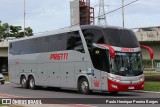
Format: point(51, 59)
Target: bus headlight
point(141, 78)
point(114, 86)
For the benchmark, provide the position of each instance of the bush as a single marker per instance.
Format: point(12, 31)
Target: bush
point(153, 78)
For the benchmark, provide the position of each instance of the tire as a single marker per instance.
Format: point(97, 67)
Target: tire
point(32, 83)
point(83, 86)
point(24, 82)
point(2, 82)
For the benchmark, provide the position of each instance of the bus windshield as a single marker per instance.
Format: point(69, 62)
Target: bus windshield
point(127, 64)
point(121, 38)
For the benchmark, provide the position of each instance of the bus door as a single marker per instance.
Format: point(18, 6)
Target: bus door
point(105, 69)
point(100, 59)
point(97, 57)
point(104, 81)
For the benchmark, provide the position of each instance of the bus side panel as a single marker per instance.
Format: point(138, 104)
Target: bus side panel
point(67, 75)
point(13, 74)
point(42, 75)
point(53, 75)
point(80, 69)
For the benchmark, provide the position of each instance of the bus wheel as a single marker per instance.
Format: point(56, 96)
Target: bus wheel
point(83, 86)
point(2, 82)
point(31, 82)
point(24, 82)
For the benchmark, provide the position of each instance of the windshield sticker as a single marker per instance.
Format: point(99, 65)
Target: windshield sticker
point(127, 50)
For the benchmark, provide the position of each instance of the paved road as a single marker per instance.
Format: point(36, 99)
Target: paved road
point(16, 90)
point(13, 89)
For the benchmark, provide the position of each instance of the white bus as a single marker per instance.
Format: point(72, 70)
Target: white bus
point(86, 58)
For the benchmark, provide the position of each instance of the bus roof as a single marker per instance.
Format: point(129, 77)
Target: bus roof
point(67, 29)
point(101, 27)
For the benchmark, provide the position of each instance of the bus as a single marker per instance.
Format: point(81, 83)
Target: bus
point(84, 58)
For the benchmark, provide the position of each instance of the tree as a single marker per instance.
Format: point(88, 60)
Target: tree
point(7, 30)
point(4, 30)
point(28, 31)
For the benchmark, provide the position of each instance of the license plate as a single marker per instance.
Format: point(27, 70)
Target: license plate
point(131, 88)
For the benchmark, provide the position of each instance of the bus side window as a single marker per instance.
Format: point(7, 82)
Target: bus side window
point(10, 45)
point(11, 50)
point(74, 42)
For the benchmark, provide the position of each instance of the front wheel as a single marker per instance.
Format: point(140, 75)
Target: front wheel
point(31, 82)
point(83, 86)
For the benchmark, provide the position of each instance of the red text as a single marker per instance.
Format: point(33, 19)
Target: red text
point(127, 50)
point(59, 56)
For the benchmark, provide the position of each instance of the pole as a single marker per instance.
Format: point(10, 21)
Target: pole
point(152, 64)
point(123, 13)
point(24, 16)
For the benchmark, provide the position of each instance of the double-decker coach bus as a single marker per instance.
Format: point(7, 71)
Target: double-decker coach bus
point(86, 58)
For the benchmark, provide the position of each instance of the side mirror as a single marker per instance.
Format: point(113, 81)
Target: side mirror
point(111, 50)
point(150, 51)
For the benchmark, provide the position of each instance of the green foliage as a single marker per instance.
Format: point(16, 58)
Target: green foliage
point(152, 86)
point(151, 73)
point(152, 78)
point(7, 30)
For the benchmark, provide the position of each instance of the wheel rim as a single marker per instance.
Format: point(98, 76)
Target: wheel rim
point(84, 86)
point(23, 82)
point(31, 83)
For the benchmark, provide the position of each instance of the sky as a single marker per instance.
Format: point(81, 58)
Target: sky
point(47, 15)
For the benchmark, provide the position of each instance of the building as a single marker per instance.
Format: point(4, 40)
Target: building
point(81, 12)
point(150, 36)
point(4, 56)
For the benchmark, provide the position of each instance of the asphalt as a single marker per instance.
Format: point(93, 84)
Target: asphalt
point(15, 91)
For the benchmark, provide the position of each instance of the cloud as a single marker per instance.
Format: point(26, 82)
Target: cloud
point(46, 15)
point(41, 15)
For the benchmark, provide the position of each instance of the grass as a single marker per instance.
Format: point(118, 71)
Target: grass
point(9, 105)
point(151, 73)
point(152, 86)
point(2, 104)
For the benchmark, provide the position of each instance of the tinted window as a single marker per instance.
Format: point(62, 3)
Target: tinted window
point(45, 46)
point(93, 36)
point(121, 38)
point(100, 59)
point(74, 42)
point(58, 42)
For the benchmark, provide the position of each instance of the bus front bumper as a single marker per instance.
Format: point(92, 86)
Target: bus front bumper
point(117, 86)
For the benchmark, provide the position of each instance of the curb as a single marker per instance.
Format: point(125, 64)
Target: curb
point(7, 82)
point(148, 92)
